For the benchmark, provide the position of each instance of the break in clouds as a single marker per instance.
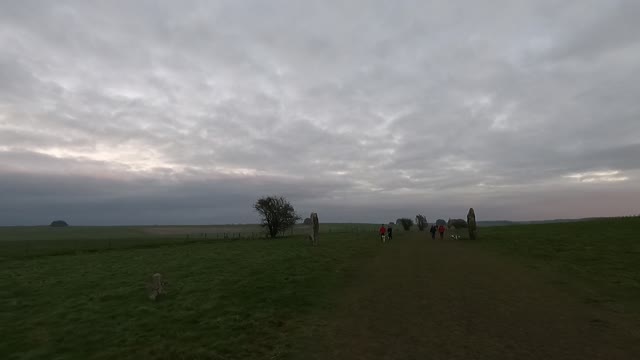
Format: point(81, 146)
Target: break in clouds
point(149, 112)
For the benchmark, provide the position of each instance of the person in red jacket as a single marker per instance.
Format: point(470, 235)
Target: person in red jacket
point(441, 231)
point(383, 232)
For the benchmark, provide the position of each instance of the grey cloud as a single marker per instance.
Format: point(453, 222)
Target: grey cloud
point(602, 32)
point(358, 108)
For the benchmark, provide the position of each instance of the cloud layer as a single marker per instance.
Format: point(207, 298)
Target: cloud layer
point(184, 112)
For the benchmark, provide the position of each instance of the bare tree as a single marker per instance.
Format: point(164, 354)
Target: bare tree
point(277, 214)
point(421, 221)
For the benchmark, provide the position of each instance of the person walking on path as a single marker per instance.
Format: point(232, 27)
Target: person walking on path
point(441, 231)
point(389, 232)
point(433, 231)
point(383, 231)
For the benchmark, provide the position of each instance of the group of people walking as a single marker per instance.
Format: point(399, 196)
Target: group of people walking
point(386, 233)
point(437, 229)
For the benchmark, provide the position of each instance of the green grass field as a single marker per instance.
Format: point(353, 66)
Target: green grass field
point(600, 259)
point(246, 298)
point(227, 299)
point(34, 241)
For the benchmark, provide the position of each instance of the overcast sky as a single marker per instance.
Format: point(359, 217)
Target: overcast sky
point(184, 112)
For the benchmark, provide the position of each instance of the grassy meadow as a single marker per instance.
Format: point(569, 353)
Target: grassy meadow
point(599, 259)
point(30, 241)
point(80, 292)
point(226, 299)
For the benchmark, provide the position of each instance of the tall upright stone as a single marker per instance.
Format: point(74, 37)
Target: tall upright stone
point(157, 286)
point(471, 222)
point(315, 228)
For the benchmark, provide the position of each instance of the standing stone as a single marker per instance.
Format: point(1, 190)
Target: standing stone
point(471, 222)
point(315, 228)
point(157, 286)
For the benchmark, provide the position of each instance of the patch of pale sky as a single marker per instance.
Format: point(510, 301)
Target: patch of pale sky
point(135, 158)
point(608, 176)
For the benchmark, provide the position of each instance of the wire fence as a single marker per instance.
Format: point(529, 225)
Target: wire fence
point(26, 246)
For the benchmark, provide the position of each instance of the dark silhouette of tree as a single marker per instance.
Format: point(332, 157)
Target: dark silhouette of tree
point(277, 214)
point(406, 223)
point(421, 221)
point(457, 223)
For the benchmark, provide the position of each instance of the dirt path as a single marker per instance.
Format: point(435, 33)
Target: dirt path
point(425, 299)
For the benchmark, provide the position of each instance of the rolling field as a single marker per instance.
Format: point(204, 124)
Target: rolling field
point(226, 299)
point(34, 241)
point(526, 291)
point(599, 259)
